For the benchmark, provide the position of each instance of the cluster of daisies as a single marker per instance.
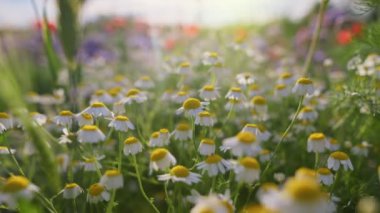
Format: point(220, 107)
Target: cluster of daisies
point(183, 155)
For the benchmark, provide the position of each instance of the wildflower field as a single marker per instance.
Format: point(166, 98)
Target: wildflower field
point(117, 115)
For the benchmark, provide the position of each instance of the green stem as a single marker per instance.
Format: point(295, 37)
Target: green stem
point(168, 200)
point(316, 160)
point(315, 38)
point(111, 202)
point(47, 203)
point(283, 136)
point(150, 201)
point(16, 162)
point(120, 160)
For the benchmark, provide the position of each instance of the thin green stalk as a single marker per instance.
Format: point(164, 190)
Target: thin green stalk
point(193, 139)
point(16, 162)
point(315, 37)
point(150, 201)
point(111, 202)
point(316, 160)
point(120, 150)
point(168, 200)
point(46, 202)
point(283, 136)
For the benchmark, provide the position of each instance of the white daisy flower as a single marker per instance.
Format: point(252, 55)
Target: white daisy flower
point(237, 105)
point(184, 68)
point(98, 109)
point(209, 93)
point(210, 58)
point(101, 96)
point(235, 93)
point(287, 78)
point(84, 119)
point(180, 97)
point(155, 140)
point(213, 203)
point(191, 107)
point(245, 79)
point(254, 90)
point(65, 118)
point(96, 193)
point(167, 95)
point(72, 191)
point(180, 173)
point(112, 179)
point(90, 134)
point(15, 188)
point(5, 150)
point(182, 132)
point(214, 164)
point(308, 114)
point(332, 144)
point(247, 170)
point(304, 172)
point(325, 176)
point(303, 86)
point(164, 136)
point(39, 118)
point(132, 146)
point(6, 120)
point(145, 82)
point(92, 164)
point(161, 159)
point(205, 118)
point(134, 95)
point(121, 123)
point(259, 105)
point(337, 159)
point(316, 142)
point(206, 147)
point(361, 149)
point(63, 161)
point(265, 155)
point(297, 196)
point(244, 143)
point(282, 90)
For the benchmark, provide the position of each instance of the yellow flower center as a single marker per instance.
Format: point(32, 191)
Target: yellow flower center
point(256, 208)
point(182, 93)
point(206, 210)
point(191, 103)
point(209, 88)
point(246, 137)
point(100, 92)
point(86, 116)
point(158, 154)
point(251, 125)
point(236, 89)
point(254, 87)
point(280, 86)
point(213, 54)
point(317, 136)
point(259, 100)
point(229, 207)
point(286, 75)
point(15, 184)
point(339, 155)
point(218, 65)
point(180, 171)
point(121, 118)
point(204, 114)
point(183, 127)
point(155, 134)
point(71, 185)
point(213, 159)
point(333, 141)
point(66, 113)
point(234, 101)
point(208, 141)
point(145, 78)
point(133, 92)
point(305, 172)
point(131, 140)
point(303, 190)
point(119, 78)
point(184, 65)
point(250, 163)
point(89, 128)
point(112, 173)
point(164, 131)
point(3, 148)
point(307, 109)
point(90, 160)
point(324, 171)
point(96, 189)
point(268, 186)
point(4, 115)
point(264, 152)
point(97, 105)
point(304, 81)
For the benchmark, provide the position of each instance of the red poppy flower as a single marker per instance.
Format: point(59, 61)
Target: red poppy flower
point(344, 37)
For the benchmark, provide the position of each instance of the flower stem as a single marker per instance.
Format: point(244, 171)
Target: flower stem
point(283, 136)
point(316, 160)
point(168, 200)
point(315, 37)
point(150, 201)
